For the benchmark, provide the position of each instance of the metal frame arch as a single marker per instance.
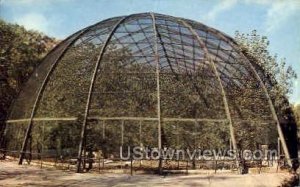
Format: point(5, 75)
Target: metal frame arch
point(45, 81)
point(91, 88)
point(116, 23)
point(226, 106)
point(271, 105)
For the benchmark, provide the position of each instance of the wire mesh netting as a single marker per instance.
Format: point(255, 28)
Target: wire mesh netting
point(147, 80)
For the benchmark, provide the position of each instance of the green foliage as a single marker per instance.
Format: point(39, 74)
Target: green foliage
point(275, 72)
point(20, 52)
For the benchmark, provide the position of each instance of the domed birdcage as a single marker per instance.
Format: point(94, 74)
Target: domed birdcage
point(147, 80)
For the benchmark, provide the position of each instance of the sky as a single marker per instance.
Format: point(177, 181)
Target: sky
point(279, 20)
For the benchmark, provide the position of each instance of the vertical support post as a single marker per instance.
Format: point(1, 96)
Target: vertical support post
point(103, 137)
point(177, 146)
point(131, 169)
point(278, 147)
point(195, 142)
point(43, 142)
point(140, 132)
point(141, 144)
point(91, 88)
point(99, 163)
point(122, 133)
point(157, 93)
point(216, 166)
point(187, 166)
point(103, 129)
point(226, 106)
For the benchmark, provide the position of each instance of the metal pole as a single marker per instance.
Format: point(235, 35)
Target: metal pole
point(103, 129)
point(140, 131)
point(91, 88)
point(43, 145)
point(216, 166)
point(157, 92)
point(131, 169)
point(122, 133)
point(141, 144)
point(278, 147)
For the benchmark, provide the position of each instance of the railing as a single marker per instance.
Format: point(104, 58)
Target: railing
point(117, 165)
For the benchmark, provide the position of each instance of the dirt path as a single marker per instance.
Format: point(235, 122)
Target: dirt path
point(13, 175)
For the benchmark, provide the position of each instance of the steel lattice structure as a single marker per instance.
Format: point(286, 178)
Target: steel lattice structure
point(144, 79)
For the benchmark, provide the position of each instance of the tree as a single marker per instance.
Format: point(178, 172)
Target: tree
point(275, 73)
point(21, 51)
point(278, 79)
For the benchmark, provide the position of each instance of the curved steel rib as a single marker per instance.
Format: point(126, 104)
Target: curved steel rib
point(207, 54)
point(91, 88)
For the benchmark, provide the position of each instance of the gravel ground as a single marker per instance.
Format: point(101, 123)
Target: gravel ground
point(12, 174)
